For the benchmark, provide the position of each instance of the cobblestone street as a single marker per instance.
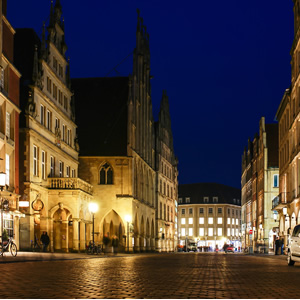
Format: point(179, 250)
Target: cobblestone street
point(181, 275)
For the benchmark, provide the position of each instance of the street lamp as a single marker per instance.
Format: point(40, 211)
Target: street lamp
point(128, 220)
point(93, 208)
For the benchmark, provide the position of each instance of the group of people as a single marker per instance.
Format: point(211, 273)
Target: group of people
point(279, 243)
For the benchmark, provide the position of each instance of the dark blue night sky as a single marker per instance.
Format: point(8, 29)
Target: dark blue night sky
point(224, 64)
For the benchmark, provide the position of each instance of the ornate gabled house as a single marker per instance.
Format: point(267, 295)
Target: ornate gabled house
point(117, 152)
point(166, 181)
point(48, 147)
point(9, 128)
point(286, 205)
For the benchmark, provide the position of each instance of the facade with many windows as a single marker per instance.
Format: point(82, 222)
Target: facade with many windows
point(210, 215)
point(9, 128)
point(49, 151)
point(286, 205)
point(260, 186)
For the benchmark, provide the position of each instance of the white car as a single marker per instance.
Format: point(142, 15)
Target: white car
point(294, 247)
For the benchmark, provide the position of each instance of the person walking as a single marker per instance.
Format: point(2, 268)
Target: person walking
point(115, 244)
point(45, 240)
point(277, 245)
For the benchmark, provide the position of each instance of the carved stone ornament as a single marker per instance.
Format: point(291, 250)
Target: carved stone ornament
point(30, 107)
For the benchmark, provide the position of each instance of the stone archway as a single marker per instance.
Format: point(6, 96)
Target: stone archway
point(112, 225)
point(61, 240)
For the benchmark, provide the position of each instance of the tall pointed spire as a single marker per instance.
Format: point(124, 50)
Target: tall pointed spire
point(35, 70)
point(52, 21)
point(43, 45)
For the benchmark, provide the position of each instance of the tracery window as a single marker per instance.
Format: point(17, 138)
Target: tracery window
point(106, 174)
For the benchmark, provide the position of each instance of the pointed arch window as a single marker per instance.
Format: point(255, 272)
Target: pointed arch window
point(106, 174)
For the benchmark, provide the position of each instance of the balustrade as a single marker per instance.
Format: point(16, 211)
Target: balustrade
point(69, 183)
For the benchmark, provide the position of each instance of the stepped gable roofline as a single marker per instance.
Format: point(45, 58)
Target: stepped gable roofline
point(197, 191)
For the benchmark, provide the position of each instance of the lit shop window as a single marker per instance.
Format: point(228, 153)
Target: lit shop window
point(220, 220)
point(210, 220)
point(201, 220)
point(190, 220)
point(182, 221)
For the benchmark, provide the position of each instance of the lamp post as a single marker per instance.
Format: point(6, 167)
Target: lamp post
point(93, 208)
point(2, 185)
point(128, 220)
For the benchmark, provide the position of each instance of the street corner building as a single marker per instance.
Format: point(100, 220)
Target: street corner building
point(9, 130)
point(260, 185)
point(209, 216)
point(286, 206)
point(48, 146)
point(127, 157)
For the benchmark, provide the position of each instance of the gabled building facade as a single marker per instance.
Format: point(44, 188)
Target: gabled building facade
point(118, 155)
point(9, 127)
point(286, 205)
point(260, 175)
point(49, 150)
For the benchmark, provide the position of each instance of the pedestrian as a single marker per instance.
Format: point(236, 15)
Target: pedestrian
point(45, 240)
point(277, 245)
point(115, 244)
point(282, 245)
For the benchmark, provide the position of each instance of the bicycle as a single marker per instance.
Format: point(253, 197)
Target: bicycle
point(8, 245)
point(93, 248)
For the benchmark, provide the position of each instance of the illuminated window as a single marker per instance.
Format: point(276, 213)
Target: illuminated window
point(210, 220)
point(61, 169)
point(35, 163)
point(190, 231)
point(43, 165)
point(190, 220)
point(210, 231)
point(182, 221)
point(201, 231)
point(182, 231)
point(201, 220)
point(232, 221)
point(232, 231)
point(228, 220)
point(228, 231)
point(220, 232)
point(236, 221)
point(7, 169)
point(52, 161)
point(220, 220)
point(236, 232)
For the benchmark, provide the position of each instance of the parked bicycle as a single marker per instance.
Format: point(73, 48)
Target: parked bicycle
point(92, 248)
point(8, 246)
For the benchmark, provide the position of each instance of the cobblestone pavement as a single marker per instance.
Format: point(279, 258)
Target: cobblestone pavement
point(179, 275)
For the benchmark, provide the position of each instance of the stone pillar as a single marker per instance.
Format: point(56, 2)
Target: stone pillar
point(64, 236)
point(75, 235)
point(82, 236)
point(51, 236)
point(57, 235)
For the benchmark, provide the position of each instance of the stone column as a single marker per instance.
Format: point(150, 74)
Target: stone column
point(64, 236)
point(82, 236)
point(57, 233)
point(75, 235)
